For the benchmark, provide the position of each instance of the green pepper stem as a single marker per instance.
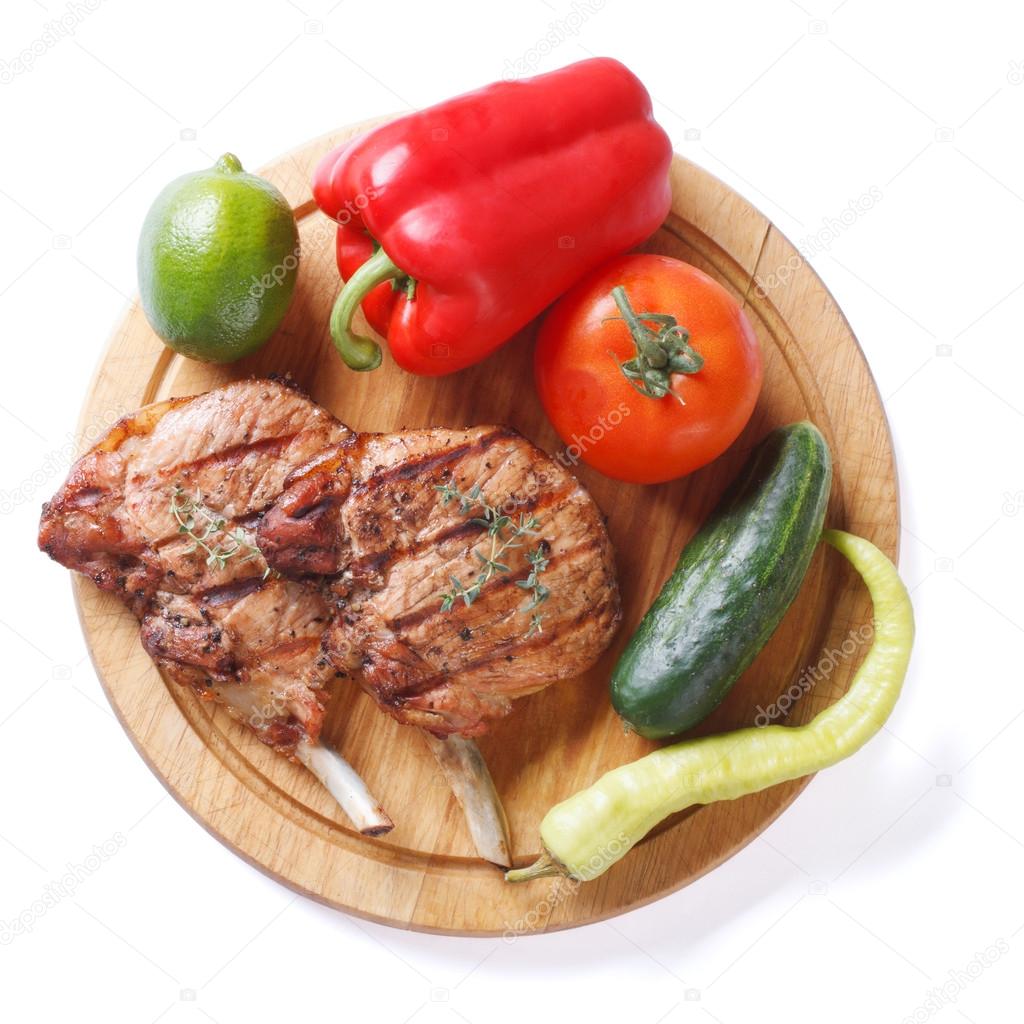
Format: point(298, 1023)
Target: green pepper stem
point(359, 352)
point(544, 866)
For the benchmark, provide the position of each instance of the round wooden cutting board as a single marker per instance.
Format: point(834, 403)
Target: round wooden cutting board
point(424, 874)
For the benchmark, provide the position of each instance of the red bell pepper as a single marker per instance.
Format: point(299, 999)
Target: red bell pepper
point(458, 224)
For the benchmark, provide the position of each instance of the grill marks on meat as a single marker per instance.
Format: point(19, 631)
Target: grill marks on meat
point(355, 526)
point(379, 526)
point(250, 643)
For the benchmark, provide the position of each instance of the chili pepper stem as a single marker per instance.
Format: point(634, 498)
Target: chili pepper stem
point(543, 867)
point(359, 352)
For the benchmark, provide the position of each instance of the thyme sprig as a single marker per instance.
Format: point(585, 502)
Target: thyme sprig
point(505, 534)
point(209, 533)
point(538, 559)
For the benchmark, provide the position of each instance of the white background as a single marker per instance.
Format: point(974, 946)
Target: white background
point(893, 871)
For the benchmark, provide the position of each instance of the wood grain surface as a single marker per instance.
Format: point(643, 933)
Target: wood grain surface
point(424, 874)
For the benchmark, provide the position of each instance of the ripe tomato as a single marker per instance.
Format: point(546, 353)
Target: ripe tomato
point(603, 415)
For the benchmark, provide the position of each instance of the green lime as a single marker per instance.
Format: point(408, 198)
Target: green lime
point(218, 256)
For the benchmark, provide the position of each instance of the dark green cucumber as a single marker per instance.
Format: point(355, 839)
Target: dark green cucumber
point(730, 588)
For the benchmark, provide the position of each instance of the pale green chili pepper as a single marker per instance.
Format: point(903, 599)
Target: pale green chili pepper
point(584, 835)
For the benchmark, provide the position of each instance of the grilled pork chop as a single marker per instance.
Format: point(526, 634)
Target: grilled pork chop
point(371, 514)
point(224, 627)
